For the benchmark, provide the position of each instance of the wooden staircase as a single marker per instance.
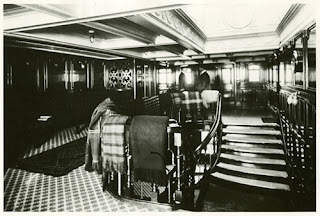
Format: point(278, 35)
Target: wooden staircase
point(251, 162)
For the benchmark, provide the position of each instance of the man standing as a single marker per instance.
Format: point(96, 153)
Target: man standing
point(204, 80)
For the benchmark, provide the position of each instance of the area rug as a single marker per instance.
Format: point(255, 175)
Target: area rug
point(269, 120)
point(58, 161)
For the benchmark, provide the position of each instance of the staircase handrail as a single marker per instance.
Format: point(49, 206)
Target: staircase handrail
point(287, 159)
point(217, 124)
point(212, 130)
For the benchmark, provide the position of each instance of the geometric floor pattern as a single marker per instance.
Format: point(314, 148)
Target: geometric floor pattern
point(78, 191)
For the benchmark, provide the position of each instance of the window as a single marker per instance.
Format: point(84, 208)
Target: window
point(312, 59)
point(275, 74)
point(270, 74)
point(242, 73)
point(165, 79)
point(289, 72)
point(226, 75)
point(281, 71)
point(254, 73)
point(163, 76)
point(298, 63)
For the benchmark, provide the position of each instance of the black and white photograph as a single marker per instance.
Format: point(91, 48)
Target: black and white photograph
point(164, 106)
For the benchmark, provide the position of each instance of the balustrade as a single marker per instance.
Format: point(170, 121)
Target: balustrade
point(298, 117)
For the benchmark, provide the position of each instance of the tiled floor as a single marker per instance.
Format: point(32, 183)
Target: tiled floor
point(79, 191)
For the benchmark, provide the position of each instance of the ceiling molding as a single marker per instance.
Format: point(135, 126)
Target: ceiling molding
point(59, 44)
point(303, 19)
point(185, 16)
point(175, 50)
point(293, 10)
point(59, 49)
point(173, 58)
point(15, 11)
point(243, 35)
point(170, 24)
point(48, 9)
point(116, 26)
point(125, 43)
point(122, 31)
point(95, 18)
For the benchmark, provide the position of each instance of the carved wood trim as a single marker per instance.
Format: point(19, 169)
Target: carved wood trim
point(174, 26)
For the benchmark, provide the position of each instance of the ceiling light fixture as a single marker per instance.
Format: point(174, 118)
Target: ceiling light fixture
point(91, 36)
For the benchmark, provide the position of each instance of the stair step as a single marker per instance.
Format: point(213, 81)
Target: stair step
point(252, 170)
point(253, 155)
point(253, 149)
point(251, 131)
point(252, 176)
point(253, 145)
point(251, 124)
point(251, 182)
point(257, 160)
point(236, 127)
point(251, 139)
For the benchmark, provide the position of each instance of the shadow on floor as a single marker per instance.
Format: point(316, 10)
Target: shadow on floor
point(219, 199)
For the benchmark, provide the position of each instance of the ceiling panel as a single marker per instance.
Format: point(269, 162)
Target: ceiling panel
point(114, 8)
point(75, 30)
point(239, 17)
point(7, 7)
point(125, 27)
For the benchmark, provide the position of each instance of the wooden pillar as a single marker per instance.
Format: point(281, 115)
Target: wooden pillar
point(134, 79)
point(305, 58)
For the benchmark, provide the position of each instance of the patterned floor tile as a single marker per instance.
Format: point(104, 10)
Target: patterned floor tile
point(77, 191)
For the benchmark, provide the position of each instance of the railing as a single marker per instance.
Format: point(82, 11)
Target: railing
point(194, 162)
point(297, 116)
point(214, 132)
point(289, 163)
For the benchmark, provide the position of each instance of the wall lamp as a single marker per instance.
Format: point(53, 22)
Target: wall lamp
point(293, 99)
point(91, 36)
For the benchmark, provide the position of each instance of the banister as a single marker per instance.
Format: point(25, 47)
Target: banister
point(215, 128)
point(212, 130)
point(286, 154)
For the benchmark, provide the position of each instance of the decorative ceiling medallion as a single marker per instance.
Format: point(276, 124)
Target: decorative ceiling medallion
point(238, 16)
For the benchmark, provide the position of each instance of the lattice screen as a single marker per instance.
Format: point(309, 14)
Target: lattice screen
point(120, 75)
